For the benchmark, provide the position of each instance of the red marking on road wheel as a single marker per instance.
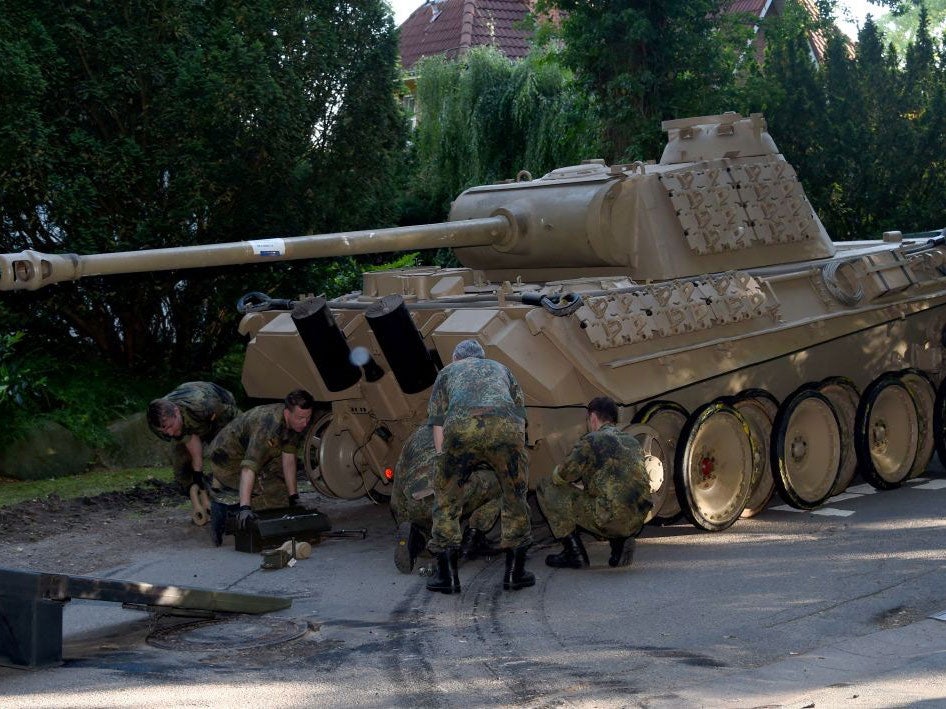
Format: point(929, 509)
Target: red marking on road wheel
point(707, 466)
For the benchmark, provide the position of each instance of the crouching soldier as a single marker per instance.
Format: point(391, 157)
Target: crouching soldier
point(190, 417)
point(477, 410)
point(253, 460)
point(412, 502)
point(615, 495)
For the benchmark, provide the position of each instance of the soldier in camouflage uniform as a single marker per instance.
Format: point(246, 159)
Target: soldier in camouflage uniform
point(614, 497)
point(478, 416)
point(253, 460)
point(190, 417)
point(412, 502)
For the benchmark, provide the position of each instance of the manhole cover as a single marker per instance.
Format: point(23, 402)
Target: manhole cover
point(237, 633)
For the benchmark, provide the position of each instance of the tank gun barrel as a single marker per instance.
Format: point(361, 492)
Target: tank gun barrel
point(31, 270)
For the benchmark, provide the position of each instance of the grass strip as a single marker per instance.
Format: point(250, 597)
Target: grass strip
point(69, 487)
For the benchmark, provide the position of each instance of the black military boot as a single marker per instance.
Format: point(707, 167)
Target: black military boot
point(622, 551)
point(473, 544)
point(409, 543)
point(218, 521)
point(516, 576)
point(447, 579)
point(572, 556)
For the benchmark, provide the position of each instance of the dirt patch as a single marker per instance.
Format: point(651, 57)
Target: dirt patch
point(87, 534)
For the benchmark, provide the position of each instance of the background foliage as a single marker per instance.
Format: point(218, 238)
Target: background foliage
point(483, 118)
point(147, 125)
point(644, 62)
point(865, 128)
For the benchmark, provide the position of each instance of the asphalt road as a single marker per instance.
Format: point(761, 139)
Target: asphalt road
point(823, 608)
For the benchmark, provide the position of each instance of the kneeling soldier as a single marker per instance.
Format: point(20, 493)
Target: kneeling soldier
point(190, 417)
point(253, 460)
point(412, 502)
point(615, 495)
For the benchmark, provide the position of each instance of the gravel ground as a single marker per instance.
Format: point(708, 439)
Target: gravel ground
point(88, 534)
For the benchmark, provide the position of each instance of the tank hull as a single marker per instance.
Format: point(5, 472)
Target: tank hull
point(774, 330)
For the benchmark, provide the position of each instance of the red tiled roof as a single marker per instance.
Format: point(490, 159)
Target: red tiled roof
point(754, 6)
point(452, 26)
point(818, 40)
point(773, 8)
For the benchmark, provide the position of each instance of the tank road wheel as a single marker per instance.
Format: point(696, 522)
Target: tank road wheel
point(844, 397)
point(886, 434)
point(923, 391)
point(311, 450)
point(714, 466)
point(806, 449)
point(654, 464)
point(668, 419)
point(759, 408)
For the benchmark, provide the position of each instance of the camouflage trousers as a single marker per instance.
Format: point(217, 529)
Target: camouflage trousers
point(566, 507)
point(479, 501)
point(470, 443)
point(269, 487)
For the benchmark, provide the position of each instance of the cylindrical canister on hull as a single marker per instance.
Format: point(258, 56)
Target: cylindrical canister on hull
point(402, 345)
point(325, 343)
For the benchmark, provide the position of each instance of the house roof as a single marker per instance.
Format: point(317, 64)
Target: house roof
point(756, 7)
point(451, 27)
point(769, 8)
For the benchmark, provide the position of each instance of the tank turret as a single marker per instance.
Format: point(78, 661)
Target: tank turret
point(748, 351)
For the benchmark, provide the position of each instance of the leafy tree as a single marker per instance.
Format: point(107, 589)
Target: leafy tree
point(483, 118)
point(645, 62)
point(864, 129)
point(129, 126)
point(901, 24)
point(795, 101)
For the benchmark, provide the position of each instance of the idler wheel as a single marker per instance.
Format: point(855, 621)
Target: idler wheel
point(923, 391)
point(886, 435)
point(714, 466)
point(806, 449)
point(668, 419)
point(844, 397)
point(654, 464)
point(759, 408)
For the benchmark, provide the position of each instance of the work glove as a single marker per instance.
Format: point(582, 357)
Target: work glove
point(294, 500)
point(199, 480)
point(244, 516)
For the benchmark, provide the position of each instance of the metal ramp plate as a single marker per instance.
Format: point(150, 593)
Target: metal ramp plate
point(31, 608)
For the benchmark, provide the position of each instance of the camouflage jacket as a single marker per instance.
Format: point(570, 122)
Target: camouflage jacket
point(414, 473)
point(205, 409)
point(473, 386)
point(254, 438)
point(608, 462)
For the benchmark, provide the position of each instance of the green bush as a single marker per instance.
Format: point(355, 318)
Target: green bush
point(82, 394)
point(22, 386)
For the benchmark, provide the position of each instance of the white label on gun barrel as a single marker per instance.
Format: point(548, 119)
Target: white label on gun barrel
point(268, 247)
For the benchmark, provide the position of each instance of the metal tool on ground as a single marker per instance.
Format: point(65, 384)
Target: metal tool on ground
point(285, 555)
point(273, 559)
point(31, 606)
point(345, 534)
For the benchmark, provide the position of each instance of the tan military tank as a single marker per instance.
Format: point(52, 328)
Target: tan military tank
point(748, 350)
